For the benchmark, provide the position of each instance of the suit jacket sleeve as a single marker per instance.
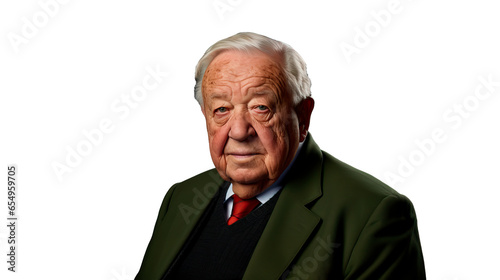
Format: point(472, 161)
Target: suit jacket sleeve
point(144, 270)
point(388, 247)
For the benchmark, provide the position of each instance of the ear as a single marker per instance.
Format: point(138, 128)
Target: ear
point(304, 110)
point(202, 110)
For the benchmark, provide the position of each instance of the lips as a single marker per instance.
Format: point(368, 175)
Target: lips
point(242, 154)
point(243, 151)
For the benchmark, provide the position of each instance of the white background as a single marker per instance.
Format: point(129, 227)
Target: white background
point(95, 223)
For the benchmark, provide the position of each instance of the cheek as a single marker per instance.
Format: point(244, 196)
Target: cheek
point(217, 137)
point(278, 137)
point(275, 140)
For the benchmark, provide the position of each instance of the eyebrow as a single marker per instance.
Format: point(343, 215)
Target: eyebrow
point(263, 92)
point(267, 93)
point(219, 96)
point(225, 95)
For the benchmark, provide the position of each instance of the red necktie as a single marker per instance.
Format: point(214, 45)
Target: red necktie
point(241, 207)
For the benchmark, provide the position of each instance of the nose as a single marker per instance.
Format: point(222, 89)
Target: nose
point(241, 127)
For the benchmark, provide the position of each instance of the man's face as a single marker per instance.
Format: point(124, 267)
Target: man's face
point(253, 129)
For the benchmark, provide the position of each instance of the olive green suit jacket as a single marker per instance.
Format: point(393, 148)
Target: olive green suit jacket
point(331, 221)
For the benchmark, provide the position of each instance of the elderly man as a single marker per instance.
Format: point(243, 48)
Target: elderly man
point(275, 206)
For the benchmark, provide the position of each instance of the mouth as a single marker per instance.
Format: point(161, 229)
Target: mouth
point(242, 155)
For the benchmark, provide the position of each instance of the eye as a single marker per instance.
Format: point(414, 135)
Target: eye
point(262, 107)
point(221, 110)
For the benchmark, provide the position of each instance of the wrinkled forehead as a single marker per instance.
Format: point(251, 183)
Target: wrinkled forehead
point(239, 66)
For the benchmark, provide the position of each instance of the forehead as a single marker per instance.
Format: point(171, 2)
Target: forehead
point(237, 66)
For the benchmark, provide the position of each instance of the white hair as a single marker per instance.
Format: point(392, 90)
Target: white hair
point(294, 66)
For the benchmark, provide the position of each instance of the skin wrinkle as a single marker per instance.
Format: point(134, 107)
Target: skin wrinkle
point(250, 145)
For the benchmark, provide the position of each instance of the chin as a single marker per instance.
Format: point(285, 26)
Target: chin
point(246, 177)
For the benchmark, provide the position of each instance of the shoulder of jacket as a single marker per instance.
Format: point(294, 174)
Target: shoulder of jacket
point(349, 180)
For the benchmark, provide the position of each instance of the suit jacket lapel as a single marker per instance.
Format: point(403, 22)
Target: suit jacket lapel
point(291, 222)
point(190, 204)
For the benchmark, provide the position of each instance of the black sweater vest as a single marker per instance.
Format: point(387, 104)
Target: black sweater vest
point(218, 251)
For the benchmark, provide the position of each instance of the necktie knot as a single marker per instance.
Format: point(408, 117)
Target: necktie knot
point(241, 208)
